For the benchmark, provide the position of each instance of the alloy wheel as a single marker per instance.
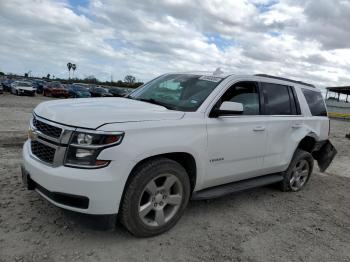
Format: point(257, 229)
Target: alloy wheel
point(160, 200)
point(300, 174)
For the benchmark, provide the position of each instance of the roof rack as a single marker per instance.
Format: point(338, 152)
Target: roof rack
point(286, 79)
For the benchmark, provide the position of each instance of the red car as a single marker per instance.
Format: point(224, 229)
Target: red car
point(55, 89)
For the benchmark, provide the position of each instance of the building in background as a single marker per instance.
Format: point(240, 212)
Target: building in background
point(337, 101)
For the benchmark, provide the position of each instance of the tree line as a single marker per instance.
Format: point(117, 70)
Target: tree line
point(129, 80)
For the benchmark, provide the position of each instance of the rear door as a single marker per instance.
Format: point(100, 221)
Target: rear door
point(284, 124)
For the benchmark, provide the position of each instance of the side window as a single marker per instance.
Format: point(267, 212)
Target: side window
point(245, 93)
point(315, 101)
point(278, 100)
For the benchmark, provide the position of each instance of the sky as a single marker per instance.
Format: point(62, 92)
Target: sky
point(307, 40)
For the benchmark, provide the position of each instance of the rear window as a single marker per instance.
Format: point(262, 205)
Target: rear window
point(315, 101)
point(278, 100)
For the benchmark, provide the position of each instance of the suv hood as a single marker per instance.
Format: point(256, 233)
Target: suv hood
point(94, 112)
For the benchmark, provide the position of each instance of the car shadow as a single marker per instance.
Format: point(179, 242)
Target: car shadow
point(93, 222)
point(111, 223)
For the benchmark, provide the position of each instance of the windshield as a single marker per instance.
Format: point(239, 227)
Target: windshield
point(55, 84)
point(182, 92)
point(23, 84)
point(78, 88)
point(100, 90)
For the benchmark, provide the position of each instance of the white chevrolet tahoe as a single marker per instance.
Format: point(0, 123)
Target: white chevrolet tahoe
point(178, 137)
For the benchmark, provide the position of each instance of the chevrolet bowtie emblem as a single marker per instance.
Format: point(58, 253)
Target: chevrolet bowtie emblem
point(32, 134)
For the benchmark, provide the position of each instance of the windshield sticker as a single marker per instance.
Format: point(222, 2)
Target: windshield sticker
point(211, 78)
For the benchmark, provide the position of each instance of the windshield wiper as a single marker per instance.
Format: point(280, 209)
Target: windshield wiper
point(155, 102)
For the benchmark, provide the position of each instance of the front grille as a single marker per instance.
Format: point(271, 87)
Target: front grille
point(47, 129)
point(43, 152)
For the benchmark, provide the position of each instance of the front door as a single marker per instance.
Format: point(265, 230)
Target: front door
point(236, 143)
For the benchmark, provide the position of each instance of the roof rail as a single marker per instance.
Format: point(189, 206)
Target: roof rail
point(285, 79)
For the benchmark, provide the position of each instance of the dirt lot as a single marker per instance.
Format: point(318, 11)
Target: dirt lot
point(263, 224)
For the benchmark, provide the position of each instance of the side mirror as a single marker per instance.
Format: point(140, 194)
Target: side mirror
point(228, 108)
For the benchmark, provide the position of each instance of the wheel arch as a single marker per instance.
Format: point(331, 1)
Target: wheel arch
point(308, 142)
point(186, 160)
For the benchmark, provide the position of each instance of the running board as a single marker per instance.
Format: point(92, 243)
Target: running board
point(222, 190)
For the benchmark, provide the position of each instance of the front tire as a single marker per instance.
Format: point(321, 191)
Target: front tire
point(156, 197)
point(298, 172)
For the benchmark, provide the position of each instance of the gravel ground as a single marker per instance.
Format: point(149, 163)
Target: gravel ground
point(263, 224)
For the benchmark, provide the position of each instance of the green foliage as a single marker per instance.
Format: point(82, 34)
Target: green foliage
point(93, 80)
point(2, 73)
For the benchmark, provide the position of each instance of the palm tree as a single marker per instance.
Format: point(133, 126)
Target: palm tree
point(69, 65)
point(74, 66)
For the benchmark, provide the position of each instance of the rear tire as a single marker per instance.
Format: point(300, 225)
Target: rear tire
point(299, 171)
point(156, 197)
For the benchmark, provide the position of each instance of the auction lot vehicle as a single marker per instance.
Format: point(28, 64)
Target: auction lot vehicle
point(6, 84)
point(118, 92)
point(39, 85)
point(97, 91)
point(181, 136)
point(78, 91)
point(22, 88)
point(55, 89)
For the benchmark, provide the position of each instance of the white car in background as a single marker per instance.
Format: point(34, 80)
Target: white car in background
point(23, 88)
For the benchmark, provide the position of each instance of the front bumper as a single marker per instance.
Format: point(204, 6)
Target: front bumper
point(26, 92)
point(100, 188)
point(59, 93)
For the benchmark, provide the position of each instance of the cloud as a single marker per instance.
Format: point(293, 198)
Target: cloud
point(307, 40)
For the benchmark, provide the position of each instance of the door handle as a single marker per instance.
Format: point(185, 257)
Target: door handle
point(297, 125)
point(259, 128)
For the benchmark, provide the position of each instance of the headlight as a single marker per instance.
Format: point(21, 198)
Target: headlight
point(85, 147)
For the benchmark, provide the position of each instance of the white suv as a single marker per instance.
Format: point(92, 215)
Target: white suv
point(180, 136)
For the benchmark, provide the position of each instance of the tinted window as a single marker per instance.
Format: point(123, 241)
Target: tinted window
point(277, 99)
point(100, 90)
point(315, 101)
point(245, 93)
point(23, 84)
point(55, 84)
point(78, 88)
